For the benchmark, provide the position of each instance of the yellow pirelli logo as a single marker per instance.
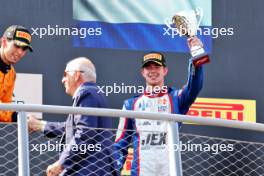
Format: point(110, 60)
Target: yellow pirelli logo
point(230, 109)
point(24, 35)
point(152, 56)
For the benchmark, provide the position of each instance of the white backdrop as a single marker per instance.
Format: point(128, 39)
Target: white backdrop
point(28, 89)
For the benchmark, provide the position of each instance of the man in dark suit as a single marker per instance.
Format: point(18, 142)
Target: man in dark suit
point(77, 132)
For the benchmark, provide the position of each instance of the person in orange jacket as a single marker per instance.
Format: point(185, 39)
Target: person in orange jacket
point(15, 42)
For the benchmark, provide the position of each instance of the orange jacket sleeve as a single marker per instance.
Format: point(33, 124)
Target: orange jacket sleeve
point(6, 93)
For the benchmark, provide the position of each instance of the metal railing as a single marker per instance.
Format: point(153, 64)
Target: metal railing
point(23, 148)
point(247, 158)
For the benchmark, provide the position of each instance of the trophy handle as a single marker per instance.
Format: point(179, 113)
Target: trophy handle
point(199, 15)
point(169, 24)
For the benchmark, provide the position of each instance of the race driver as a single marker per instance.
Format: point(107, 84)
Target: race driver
point(14, 45)
point(149, 137)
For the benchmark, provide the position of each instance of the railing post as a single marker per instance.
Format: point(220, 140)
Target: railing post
point(175, 163)
point(23, 149)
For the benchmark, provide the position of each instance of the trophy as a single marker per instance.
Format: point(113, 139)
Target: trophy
point(187, 23)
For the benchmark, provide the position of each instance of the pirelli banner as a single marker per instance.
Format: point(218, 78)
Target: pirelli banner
point(230, 109)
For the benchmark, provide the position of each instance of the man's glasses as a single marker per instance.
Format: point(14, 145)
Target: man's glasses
point(65, 73)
